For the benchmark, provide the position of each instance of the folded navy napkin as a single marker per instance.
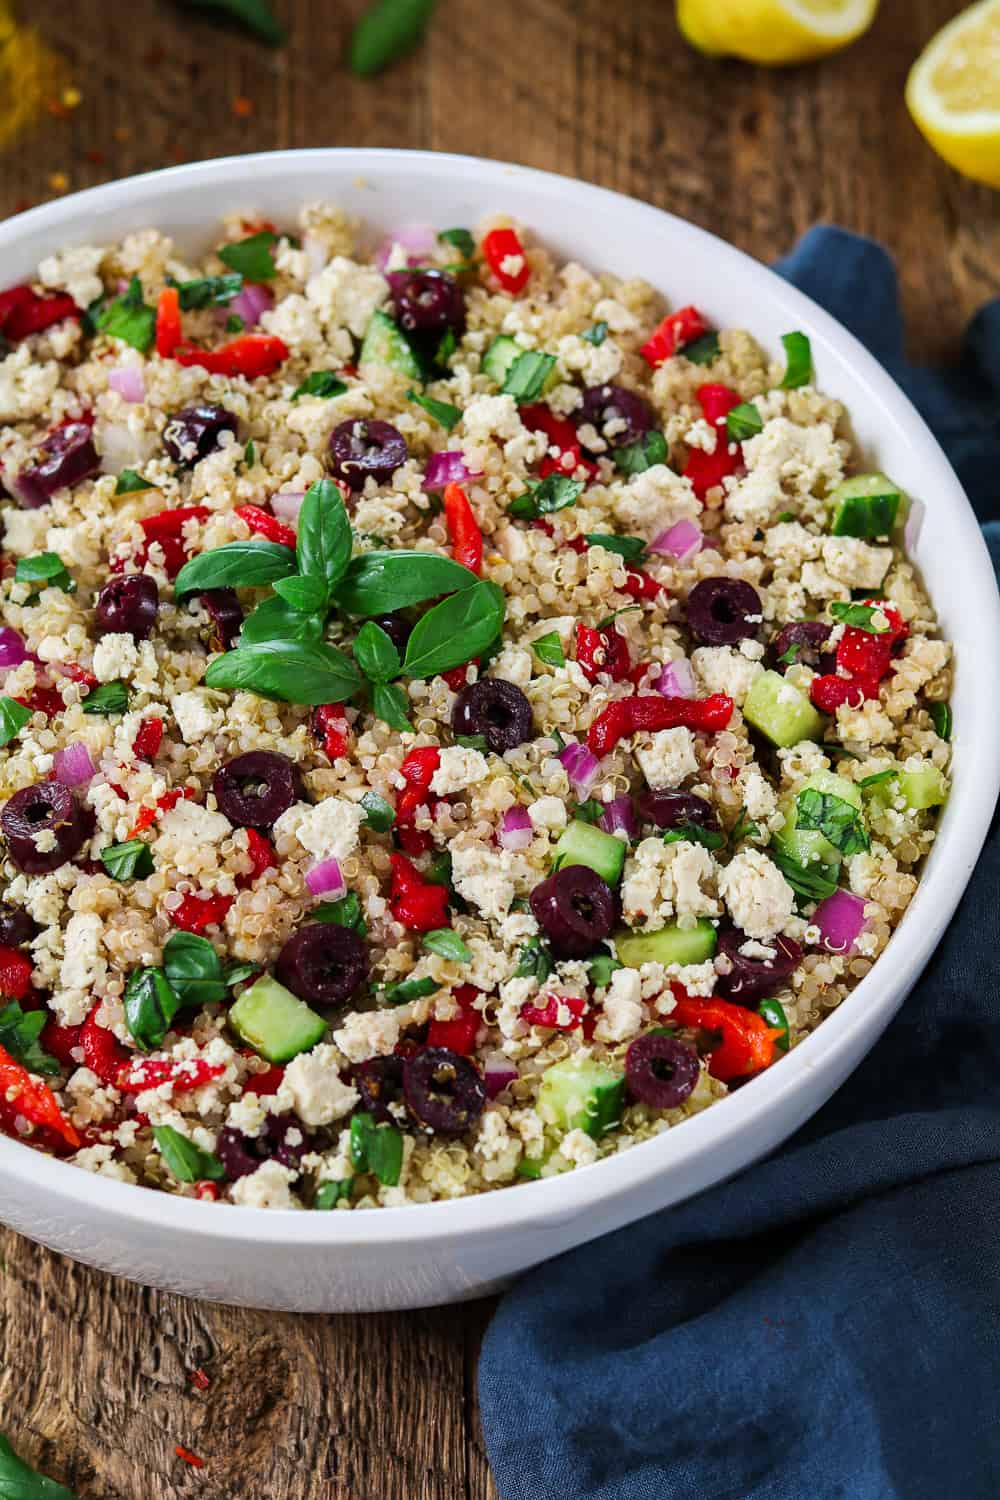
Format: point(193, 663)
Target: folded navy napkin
point(828, 1324)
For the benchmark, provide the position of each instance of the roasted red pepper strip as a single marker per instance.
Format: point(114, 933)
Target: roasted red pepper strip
point(676, 330)
point(417, 771)
point(148, 815)
point(639, 585)
point(627, 715)
point(61, 1042)
point(863, 659)
point(170, 523)
point(195, 913)
point(717, 401)
point(15, 974)
point(23, 312)
point(455, 677)
point(262, 857)
point(33, 1099)
point(331, 729)
point(561, 434)
point(602, 651)
point(149, 1072)
point(168, 322)
point(268, 1082)
point(45, 700)
point(148, 738)
point(463, 529)
point(706, 471)
point(415, 903)
point(102, 1053)
point(459, 1034)
point(548, 1014)
point(251, 355)
point(504, 254)
point(266, 525)
point(747, 1044)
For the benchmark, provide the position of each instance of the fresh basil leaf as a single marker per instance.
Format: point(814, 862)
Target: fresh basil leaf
point(446, 348)
point(305, 594)
point(744, 421)
point(234, 323)
point(694, 833)
point(791, 656)
point(241, 565)
point(446, 943)
point(235, 973)
point(837, 820)
point(526, 377)
point(379, 814)
point(132, 860)
point(812, 883)
point(47, 569)
point(744, 828)
point(332, 1192)
point(378, 583)
point(276, 620)
point(554, 492)
point(798, 351)
point(595, 334)
point(773, 1012)
point(108, 698)
point(879, 778)
point(130, 483)
point(322, 383)
point(441, 411)
point(150, 1006)
point(548, 648)
point(13, 717)
point(860, 616)
point(377, 1149)
point(375, 653)
point(249, 455)
point(455, 630)
point(703, 351)
point(407, 990)
point(19, 1032)
point(589, 811)
point(128, 318)
point(255, 15)
point(323, 549)
point(632, 548)
point(20, 1482)
point(290, 671)
point(193, 969)
point(252, 257)
point(600, 970)
point(387, 30)
point(390, 704)
point(941, 719)
point(188, 1162)
point(471, 741)
point(636, 458)
point(207, 291)
point(462, 241)
point(534, 961)
point(438, 872)
point(343, 913)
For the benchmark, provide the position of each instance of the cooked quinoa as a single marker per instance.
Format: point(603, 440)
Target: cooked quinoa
point(584, 830)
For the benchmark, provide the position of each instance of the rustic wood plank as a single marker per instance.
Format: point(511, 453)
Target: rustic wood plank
point(94, 1384)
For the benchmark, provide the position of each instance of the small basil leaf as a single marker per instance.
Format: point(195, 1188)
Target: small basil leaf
point(344, 913)
point(379, 814)
point(407, 990)
point(548, 648)
point(632, 548)
point(290, 671)
point(441, 411)
point(47, 568)
point(375, 653)
point(773, 1012)
point(234, 323)
point(390, 704)
point(860, 616)
point(322, 383)
point(128, 318)
point(249, 455)
point(590, 811)
point(188, 1162)
point(235, 973)
point(276, 620)
point(150, 1006)
point(471, 741)
point(332, 1192)
point(387, 30)
point(249, 564)
point(323, 548)
point(600, 970)
point(744, 421)
point(13, 717)
point(462, 241)
point(252, 257)
point(378, 583)
point(694, 833)
point(130, 483)
point(207, 291)
point(132, 860)
point(377, 1149)
point(596, 334)
point(193, 969)
point(799, 354)
point(879, 778)
point(811, 883)
point(941, 719)
point(554, 492)
point(455, 630)
point(19, 1031)
point(446, 942)
point(534, 961)
point(108, 698)
point(525, 380)
point(704, 351)
point(837, 820)
point(305, 594)
point(636, 458)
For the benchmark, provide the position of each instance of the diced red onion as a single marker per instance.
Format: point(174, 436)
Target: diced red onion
point(128, 382)
point(287, 505)
point(327, 879)
point(444, 468)
point(498, 1073)
point(73, 766)
point(13, 651)
point(515, 831)
point(581, 768)
point(914, 523)
point(418, 240)
point(619, 816)
point(680, 541)
point(248, 304)
point(677, 679)
point(841, 921)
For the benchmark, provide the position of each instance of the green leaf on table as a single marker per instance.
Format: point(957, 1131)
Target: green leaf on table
point(188, 1162)
point(387, 31)
point(108, 698)
point(20, 1482)
point(255, 15)
point(549, 649)
point(130, 483)
point(240, 565)
point(441, 411)
point(207, 291)
point(554, 492)
point(377, 1149)
point(194, 969)
point(19, 1032)
point(798, 351)
point(324, 383)
point(446, 943)
point(252, 257)
point(308, 672)
point(128, 318)
point(390, 704)
point(636, 458)
point(526, 377)
point(323, 548)
point(48, 569)
point(744, 421)
point(132, 860)
point(150, 1006)
point(307, 595)
point(454, 631)
point(13, 717)
point(375, 653)
point(378, 583)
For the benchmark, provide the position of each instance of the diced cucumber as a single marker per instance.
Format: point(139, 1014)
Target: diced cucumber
point(581, 1094)
point(668, 945)
point(923, 787)
point(274, 1022)
point(868, 506)
point(809, 846)
point(583, 844)
point(781, 712)
point(500, 356)
point(530, 1167)
point(385, 343)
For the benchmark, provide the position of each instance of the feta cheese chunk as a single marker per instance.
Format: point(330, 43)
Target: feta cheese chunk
point(458, 768)
point(667, 758)
point(758, 896)
point(318, 1095)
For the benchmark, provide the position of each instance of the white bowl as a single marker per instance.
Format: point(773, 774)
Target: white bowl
point(441, 1252)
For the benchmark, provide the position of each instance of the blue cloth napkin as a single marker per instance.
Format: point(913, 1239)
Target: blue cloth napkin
point(828, 1324)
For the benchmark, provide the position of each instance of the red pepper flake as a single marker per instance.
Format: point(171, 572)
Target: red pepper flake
point(199, 1379)
point(185, 1453)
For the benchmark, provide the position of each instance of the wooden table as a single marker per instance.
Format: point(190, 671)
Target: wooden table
point(95, 1380)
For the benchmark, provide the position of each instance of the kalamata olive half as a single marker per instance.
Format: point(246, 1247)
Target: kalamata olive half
point(751, 980)
point(226, 613)
point(361, 449)
point(674, 809)
point(661, 1070)
point(397, 627)
point(195, 431)
point(46, 813)
point(723, 611)
point(444, 1092)
point(803, 641)
point(576, 909)
point(16, 927)
point(620, 416)
point(254, 789)
point(427, 301)
point(69, 457)
point(128, 605)
point(242, 1154)
point(379, 1081)
point(497, 710)
point(323, 964)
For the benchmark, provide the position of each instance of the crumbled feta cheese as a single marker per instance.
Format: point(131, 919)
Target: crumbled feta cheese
point(74, 271)
point(318, 1094)
point(758, 896)
point(115, 657)
point(856, 563)
point(622, 1012)
point(189, 822)
point(662, 880)
point(721, 669)
point(548, 812)
point(579, 1148)
point(668, 757)
point(367, 1033)
point(196, 716)
point(329, 830)
point(458, 767)
point(268, 1187)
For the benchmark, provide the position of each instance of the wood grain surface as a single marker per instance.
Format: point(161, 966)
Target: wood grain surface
point(95, 1381)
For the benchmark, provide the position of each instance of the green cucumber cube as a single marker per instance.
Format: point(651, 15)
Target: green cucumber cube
point(924, 786)
point(274, 1022)
point(781, 712)
point(581, 1094)
point(583, 844)
point(867, 506)
point(500, 356)
point(808, 846)
point(385, 343)
point(668, 945)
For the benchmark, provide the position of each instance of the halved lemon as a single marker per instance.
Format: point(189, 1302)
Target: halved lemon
point(953, 92)
point(774, 31)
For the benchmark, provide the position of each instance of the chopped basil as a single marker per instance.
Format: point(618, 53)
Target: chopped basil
point(446, 942)
point(441, 411)
point(595, 334)
point(130, 483)
point(744, 421)
point(455, 630)
point(128, 318)
point(108, 698)
point(407, 990)
point(193, 969)
point(636, 458)
point(235, 973)
point(787, 515)
point(462, 241)
point(548, 648)
point(791, 656)
point(526, 377)
point(600, 969)
point(703, 351)
point(590, 811)
point(446, 348)
point(241, 565)
point(343, 913)
point(47, 569)
point(626, 609)
point(207, 291)
point(879, 778)
point(379, 814)
point(290, 671)
point(811, 883)
point(378, 583)
point(860, 616)
point(132, 860)
point(387, 30)
point(307, 595)
point(188, 1162)
point(332, 1192)
point(553, 493)
point(249, 455)
point(773, 1012)
point(534, 961)
point(234, 323)
point(375, 653)
point(941, 719)
point(694, 833)
point(255, 15)
point(323, 383)
point(18, 1481)
point(390, 704)
point(744, 828)
point(798, 351)
point(19, 1031)
point(837, 820)
point(13, 717)
point(632, 548)
point(252, 257)
point(377, 1149)
point(150, 1006)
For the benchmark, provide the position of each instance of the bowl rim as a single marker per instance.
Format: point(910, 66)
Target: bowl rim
point(538, 1205)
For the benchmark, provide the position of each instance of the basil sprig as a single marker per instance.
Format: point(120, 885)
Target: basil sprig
point(48, 569)
point(19, 1032)
point(18, 1481)
point(378, 583)
point(252, 257)
point(323, 548)
point(243, 565)
point(636, 458)
point(534, 961)
point(288, 671)
point(128, 318)
point(187, 1161)
point(13, 717)
point(375, 653)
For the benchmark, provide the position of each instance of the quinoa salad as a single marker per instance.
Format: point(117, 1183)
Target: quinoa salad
point(460, 716)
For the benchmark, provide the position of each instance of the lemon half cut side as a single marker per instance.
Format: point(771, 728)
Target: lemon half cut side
point(953, 92)
point(774, 32)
